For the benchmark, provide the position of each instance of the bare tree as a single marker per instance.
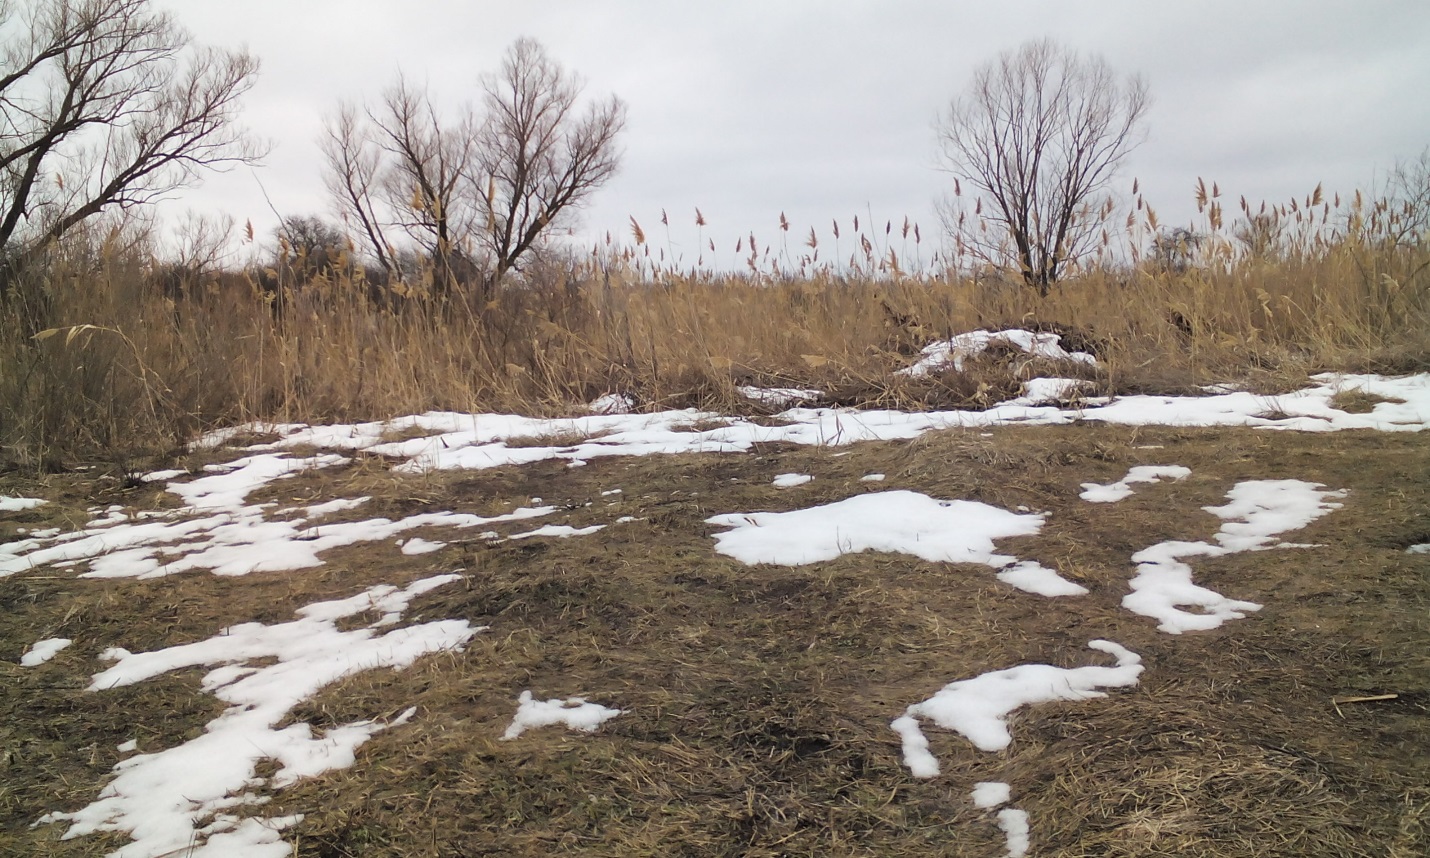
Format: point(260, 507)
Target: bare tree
point(1262, 236)
point(480, 190)
point(537, 158)
point(424, 184)
point(1037, 136)
point(1175, 250)
point(1405, 220)
point(308, 248)
point(104, 106)
point(352, 165)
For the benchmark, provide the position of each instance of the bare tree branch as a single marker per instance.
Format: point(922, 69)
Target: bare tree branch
point(536, 158)
point(483, 189)
point(104, 104)
point(352, 165)
point(1038, 135)
point(428, 162)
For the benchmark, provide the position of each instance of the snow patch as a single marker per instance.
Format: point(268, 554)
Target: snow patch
point(318, 510)
point(988, 794)
point(220, 533)
point(417, 545)
point(612, 403)
point(788, 481)
point(231, 483)
point(1113, 492)
point(9, 504)
point(560, 531)
point(953, 352)
point(478, 440)
point(1014, 823)
point(163, 800)
point(978, 708)
point(1258, 510)
point(939, 531)
point(42, 651)
point(779, 397)
point(574, 712)
point(1052, 391)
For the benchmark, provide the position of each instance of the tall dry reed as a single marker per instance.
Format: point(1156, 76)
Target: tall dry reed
point(106, 353)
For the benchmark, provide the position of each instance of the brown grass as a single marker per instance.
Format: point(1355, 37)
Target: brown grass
point(138, 360)
point(759, 697)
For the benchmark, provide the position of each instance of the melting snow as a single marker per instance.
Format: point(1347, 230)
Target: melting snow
point(574, 712)
point(9, 504)
point(1113, 492)
point(988, 794)
point(43, 651)
point(219, 532)
point(779, 397)
point(787, 481)
point(478, 440)
point(416, 545)
point(179, 800)
point(231, 483)
point(979, 707)
point(1050, 391)
point(560, 531)
point(182, 800)
point(1014, 823)
point(234, 542)
point(1258, 510)
point(612, 403)
point(946, 531)
point(953, 352)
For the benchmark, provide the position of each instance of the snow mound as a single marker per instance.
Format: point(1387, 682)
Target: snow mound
point(952, 353)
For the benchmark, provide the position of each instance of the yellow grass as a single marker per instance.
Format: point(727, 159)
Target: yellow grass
point(166, 356)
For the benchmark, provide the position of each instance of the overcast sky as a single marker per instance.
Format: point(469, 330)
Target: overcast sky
point(825, 109)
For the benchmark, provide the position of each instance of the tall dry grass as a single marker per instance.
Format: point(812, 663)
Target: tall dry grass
point(105, 353)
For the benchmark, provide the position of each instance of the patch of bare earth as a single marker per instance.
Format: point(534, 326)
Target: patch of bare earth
point(758, 698)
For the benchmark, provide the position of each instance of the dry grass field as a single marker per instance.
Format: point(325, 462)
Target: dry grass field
point(757, 699)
